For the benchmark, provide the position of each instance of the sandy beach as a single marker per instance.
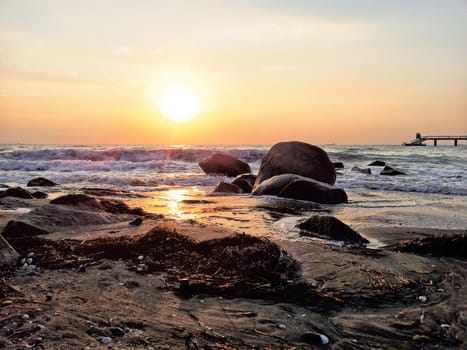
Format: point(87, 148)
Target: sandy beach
point(165, 284)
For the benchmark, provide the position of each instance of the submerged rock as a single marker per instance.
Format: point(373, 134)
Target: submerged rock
point(39, 194)
point(338, 165)
point(361, 170)
point(40, 181)
point(75, 199)
point(329, 227)
point(225, 187)
point(301, 188)
point(108, 205)
point(299, 158)
point(387, 170)
point(108, 192)
point(245, 182)
point(377, 163)
point(17, 192)
point(224, 164)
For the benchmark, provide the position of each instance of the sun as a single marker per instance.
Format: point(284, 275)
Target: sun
point(179, 104)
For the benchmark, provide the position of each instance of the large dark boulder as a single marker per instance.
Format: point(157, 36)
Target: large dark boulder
point(299, 158)
point(329, 227)
point(17, 192)
point(224, 164)
point(302, 188)
point(40, 181)
point(16, 228)
point(8, 254)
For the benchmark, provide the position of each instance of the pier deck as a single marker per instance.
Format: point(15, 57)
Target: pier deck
point(419, 139)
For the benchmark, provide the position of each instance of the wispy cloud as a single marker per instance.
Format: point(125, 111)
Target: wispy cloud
point(123, 50)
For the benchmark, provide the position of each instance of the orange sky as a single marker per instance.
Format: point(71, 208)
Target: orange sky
point(340, 72)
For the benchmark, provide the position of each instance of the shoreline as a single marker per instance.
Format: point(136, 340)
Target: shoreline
point(356, 297)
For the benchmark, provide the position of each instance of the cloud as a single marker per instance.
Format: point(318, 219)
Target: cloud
point(123, 51)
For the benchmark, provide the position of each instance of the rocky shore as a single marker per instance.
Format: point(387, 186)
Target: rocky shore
point(87, 271)
point(176, 285)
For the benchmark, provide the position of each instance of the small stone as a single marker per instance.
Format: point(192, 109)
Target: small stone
point(29, 260)
point(31, 267)
point(106, 340)
point(141, 257)
point(324, 339)
point(281, 326)
point(422, 299)
point(134, 331)
point(25, 317)
point(30, 255)
point(23, 261)
point(445, 326)
point(315, 338)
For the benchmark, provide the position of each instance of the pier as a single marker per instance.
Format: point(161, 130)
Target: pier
point(419, 139)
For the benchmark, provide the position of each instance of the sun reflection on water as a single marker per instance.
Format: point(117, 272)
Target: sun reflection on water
point(175, 205)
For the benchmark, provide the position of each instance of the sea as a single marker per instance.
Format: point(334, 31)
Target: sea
point(167, 180)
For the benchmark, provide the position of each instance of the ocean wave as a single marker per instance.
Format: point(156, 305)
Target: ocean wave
point(126, 154)
point(419, 187)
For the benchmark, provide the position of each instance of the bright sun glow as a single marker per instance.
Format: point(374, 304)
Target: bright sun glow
point(179, 104)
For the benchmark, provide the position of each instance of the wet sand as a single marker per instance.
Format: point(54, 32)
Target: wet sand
point(358, 298)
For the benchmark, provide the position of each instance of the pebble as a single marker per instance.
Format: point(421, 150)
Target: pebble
point(141, 268)
point(29, 260)
point(30, 255)
point(281, 326)
point(134, 331)
point(422, 299)
point(315, 338)
point(106, 340)
point(25, 317)
point(324, 339)
point(23, 261)
point(445, 326)
point(141, 257)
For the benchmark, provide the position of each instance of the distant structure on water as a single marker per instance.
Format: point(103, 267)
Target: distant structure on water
point(419, 139)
